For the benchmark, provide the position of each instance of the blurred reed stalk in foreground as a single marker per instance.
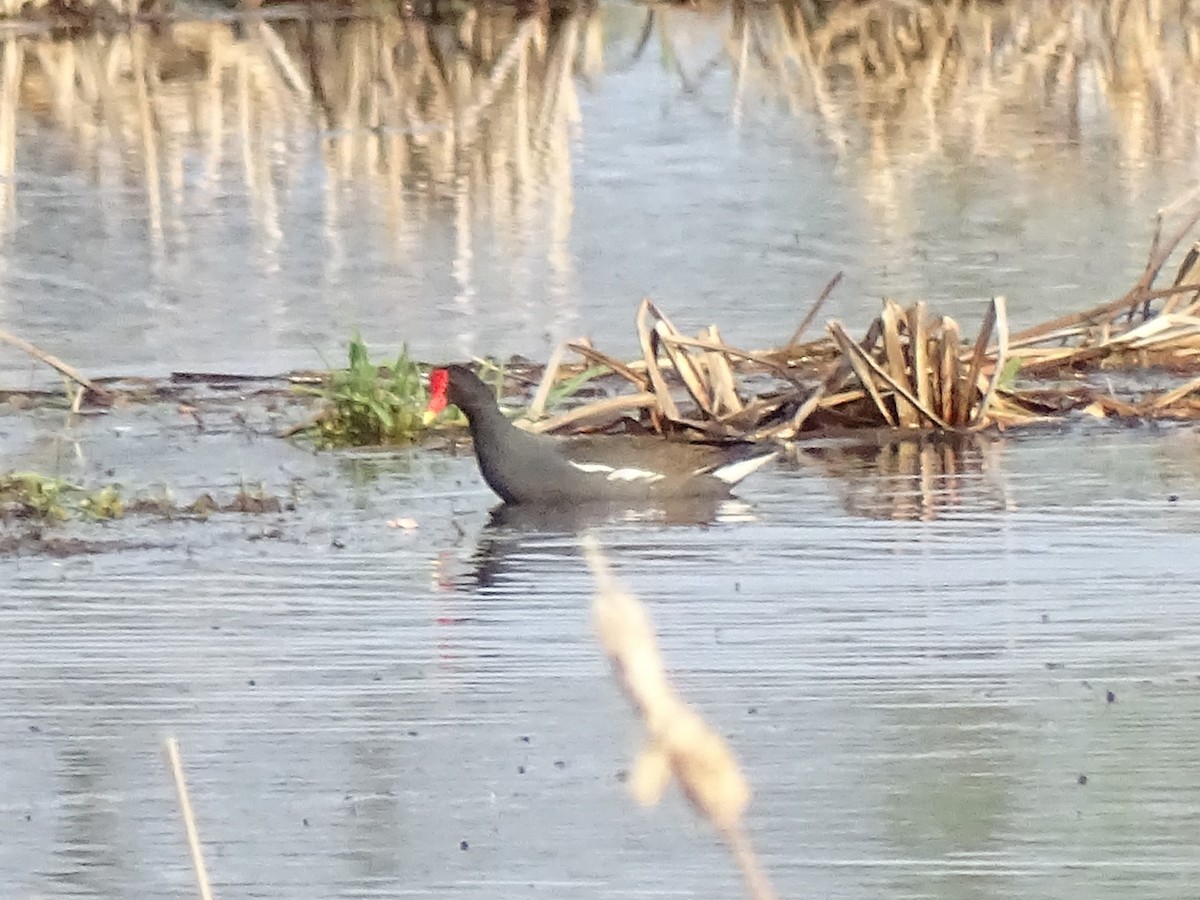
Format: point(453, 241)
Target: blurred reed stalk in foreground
point(680, 744)
point(175, 762)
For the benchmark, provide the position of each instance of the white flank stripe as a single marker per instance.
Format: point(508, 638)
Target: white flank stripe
point(590, 467)
point(732, 473)
point(619, 474)
point(635, 475)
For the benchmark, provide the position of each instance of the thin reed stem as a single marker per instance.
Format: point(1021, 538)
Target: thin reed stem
point(189, 820)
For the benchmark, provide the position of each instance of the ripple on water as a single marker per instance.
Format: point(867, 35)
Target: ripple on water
point(922, 702)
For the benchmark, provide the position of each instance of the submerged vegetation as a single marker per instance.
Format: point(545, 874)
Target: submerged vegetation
point(46, 499)
point(38, 499)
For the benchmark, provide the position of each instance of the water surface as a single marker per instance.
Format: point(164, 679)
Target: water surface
point(912, 660)
point(948, 671)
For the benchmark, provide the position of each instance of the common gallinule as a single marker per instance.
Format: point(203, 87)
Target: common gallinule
point(523, 467)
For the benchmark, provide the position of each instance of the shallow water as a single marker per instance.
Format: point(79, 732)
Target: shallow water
point(910, 654)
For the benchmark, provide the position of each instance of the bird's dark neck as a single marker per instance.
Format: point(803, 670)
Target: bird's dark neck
point(498, 448)
point(488, 426)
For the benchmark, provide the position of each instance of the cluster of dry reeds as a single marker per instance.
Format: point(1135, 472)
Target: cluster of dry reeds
point(911, 371)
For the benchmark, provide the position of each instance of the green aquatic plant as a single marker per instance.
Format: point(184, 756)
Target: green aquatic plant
point(567, 388)
point(368, 404)
point(45, 498)
point(29, 495)
point(1008, 375)
point(105, 503)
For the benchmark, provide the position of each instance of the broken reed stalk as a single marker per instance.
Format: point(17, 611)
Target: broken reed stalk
point(538, 406)
point(814, 309)
point(55, 363)
point(680, 743)
point(189, 820)
point(1141, 291)
point(909, 374)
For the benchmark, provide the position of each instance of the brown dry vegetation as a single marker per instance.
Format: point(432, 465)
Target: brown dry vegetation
point(912, 370)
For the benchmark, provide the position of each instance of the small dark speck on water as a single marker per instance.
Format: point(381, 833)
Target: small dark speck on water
point(36, 729)
point(1053, 665)
point(520, 770)
point(252, 683)
point(305, 821)
point(524, 739)
point(560, 764)
point(752, 711)
point(28, 817)
point(412, 732)
point(463, 845)
point(1174, 498)
point(1110, 697)
point(377, 678)
point(1045, 618)
point(1082, 779)
point(622, 776)
point(737, 587)
point(337, 544)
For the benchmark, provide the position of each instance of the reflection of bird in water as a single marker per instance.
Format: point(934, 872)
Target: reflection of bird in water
point(512, 531)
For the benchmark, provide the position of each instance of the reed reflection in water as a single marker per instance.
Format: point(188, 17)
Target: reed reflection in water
point(440, 159)
point(912, 479)
point(423, 129)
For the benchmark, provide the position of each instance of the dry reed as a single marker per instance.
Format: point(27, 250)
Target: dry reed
point(680, 744)
point(911, 371)
point(96, 392)
point(189, 820)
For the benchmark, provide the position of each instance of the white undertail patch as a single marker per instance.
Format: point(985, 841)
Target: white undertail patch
point(732, 473)
point(625, 474)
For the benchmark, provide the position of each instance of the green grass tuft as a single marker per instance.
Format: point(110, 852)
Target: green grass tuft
point(368, 404)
